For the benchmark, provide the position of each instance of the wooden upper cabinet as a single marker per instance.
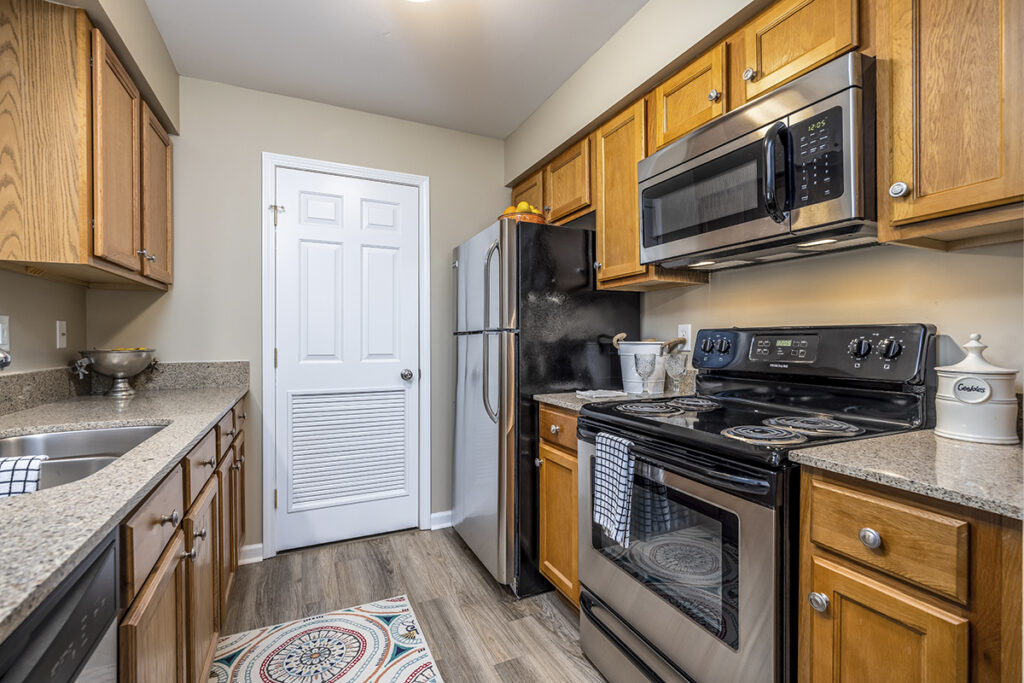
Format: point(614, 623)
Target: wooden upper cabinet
point(115, 117)
point(792, 37)
point(873, 632)
point(530, 190)
point(558, 520)
point(157, 220)
point(152, 642)
point(951, 107)
point(692, 97)
point(567, 181)
point(620, 146)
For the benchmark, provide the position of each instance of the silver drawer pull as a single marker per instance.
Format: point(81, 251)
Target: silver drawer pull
point(555, 429)
point(537, 462)
point(231, 432)
point(242, 459)
point(190, 555)
point(819, 601)
point(236, 466)
point(199, 534)
point(243, 416)
point(211, 462)
point(171, 519)
point(870, 538)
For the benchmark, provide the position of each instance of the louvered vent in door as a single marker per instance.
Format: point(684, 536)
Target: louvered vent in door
point(347, 447)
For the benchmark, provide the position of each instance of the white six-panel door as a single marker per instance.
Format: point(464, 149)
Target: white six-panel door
point(346, 327)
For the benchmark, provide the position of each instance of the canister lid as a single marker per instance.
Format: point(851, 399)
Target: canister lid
point(975, 363)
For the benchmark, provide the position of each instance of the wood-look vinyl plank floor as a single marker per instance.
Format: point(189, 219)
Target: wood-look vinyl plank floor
point(477, 631)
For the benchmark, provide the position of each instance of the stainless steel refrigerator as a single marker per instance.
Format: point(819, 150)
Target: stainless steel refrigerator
point(529, 320)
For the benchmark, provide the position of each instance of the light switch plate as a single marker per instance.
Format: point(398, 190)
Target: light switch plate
point(685, 331)
point(5, 332)
point(62, 334)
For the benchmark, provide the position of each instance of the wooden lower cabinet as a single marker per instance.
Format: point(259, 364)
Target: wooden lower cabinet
point(228, 560)
point(152, 635)
point(238, 503)
point(559, 546)
point(202, 581)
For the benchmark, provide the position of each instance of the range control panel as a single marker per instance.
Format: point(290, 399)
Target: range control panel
point(893, 353)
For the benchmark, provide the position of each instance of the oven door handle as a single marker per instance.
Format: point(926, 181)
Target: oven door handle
point(775, 211)
point(725, 481)
point(587, 604)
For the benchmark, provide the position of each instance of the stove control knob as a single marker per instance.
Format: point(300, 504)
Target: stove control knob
point(890, 349)
point(860, 348)
point(724, 346)
point(708, 345)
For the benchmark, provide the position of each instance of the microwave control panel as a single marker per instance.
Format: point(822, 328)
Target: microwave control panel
point(818, 158)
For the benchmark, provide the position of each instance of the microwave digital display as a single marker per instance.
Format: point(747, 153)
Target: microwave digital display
point(818, 158)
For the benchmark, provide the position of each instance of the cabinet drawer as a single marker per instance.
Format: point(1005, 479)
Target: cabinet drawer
point(240, 415)
point(920, 546)
point(558, 427)
point(226, 431)
point(199, 465)
point(146, 532)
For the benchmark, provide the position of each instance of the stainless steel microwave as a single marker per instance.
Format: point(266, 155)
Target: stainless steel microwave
point(788, 175)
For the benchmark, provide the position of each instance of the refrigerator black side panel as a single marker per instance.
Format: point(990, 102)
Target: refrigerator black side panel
point(565, 332)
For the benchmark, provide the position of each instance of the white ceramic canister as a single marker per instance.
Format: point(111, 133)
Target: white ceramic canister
point(976, 400)
point(631, 382)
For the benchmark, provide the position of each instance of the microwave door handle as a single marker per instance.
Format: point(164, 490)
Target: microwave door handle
point(771, 203)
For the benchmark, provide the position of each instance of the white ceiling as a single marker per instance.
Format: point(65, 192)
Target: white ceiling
point(481, 66)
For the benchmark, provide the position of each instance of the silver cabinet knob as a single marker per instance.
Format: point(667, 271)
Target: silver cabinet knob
point(407, 374)
point(210, 462)
point(714, 95)
point(538, 462)
point(547, 208)
point(243, 416)
point(236, 466)
point(749, 74)
point(555, 429)
point(898, 189)
point(190, 555)
point(870, 538)
point(230, 433)
point(199, 534)
point(146, 255)
point(171, 519)
point(819, 601)
point(597, 265)
point(241, 459)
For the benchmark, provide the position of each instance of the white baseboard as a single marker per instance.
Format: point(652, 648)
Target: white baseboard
point(440, 520)
point(248, 554)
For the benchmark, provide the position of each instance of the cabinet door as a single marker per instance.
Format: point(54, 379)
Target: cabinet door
point(794, 36)
point(873, 632)
point(225, 526)
point(691, 98)
point(956, 105)
point(202, 581)
point(157, 223)
point(620, 147)
point(115, 121)
point(238, 496)
point(558, 520)
point(530, 190)
point(567, 181)
point(152, 641)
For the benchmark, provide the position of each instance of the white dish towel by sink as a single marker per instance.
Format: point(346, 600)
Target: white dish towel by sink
point(20, 475)
point(613, 486)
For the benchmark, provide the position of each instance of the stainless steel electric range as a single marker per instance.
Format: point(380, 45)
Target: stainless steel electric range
point(696, 578)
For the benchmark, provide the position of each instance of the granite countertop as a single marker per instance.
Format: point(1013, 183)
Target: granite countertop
point(47, 533)
point(977, 475)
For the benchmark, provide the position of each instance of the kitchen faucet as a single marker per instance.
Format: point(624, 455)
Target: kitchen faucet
point(5, 359)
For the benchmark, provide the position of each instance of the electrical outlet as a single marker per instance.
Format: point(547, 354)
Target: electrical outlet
point(685, 331)
point(5, 333)
point(62, 334)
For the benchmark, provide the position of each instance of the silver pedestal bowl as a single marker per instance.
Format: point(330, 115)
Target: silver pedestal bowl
point(119, 365)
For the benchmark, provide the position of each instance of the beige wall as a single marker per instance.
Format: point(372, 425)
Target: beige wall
point(213, 310)
point(35, 306)
point(979, 290)
point(653, 38)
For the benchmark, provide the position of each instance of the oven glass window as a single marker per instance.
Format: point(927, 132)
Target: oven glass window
point(682, 548)
point(723, 192)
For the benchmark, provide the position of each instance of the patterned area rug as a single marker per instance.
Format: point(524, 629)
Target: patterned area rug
point(379, 641)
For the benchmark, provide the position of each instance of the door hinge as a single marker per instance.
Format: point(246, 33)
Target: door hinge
point(276, 208)
point(275, 356)
point(275, 499)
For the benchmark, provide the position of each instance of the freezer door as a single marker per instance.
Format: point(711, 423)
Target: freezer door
point(485, 280)
point(477, 500)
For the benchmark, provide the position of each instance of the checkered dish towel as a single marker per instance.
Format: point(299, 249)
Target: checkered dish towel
point(19, 475)
point(613, 486)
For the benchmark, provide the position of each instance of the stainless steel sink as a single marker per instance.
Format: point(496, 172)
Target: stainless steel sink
point(75, 455)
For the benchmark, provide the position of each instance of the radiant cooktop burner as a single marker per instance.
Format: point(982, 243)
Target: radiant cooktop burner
point(694, 404)
point(763, 435)
point(815, 426)
point(649, 409)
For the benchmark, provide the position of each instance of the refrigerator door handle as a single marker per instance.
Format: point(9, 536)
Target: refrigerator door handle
point(486, 384)
point(487, 283)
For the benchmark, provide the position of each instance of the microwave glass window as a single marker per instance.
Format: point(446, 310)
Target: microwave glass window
point(682, 548)
point(723, 192)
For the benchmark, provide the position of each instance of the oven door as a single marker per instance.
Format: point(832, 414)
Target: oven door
point(697, 579)
point(734, 194)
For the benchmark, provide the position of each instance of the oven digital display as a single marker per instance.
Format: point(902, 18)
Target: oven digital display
point(797, 348)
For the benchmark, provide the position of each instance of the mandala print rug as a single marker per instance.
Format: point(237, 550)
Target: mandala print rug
point(379, 641)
